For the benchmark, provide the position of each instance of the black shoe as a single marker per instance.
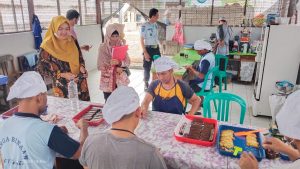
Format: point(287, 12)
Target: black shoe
point(146, 86)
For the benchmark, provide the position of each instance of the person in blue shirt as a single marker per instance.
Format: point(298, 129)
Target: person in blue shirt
point(207, 62)
point(168, 94)
point(26, 141)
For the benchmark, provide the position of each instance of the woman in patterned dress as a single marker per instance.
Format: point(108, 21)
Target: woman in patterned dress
point(112, 71)
point(60, 58)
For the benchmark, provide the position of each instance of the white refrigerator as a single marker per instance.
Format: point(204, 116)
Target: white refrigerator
point(278, 60)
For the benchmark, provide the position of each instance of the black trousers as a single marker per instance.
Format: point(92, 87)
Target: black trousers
point(106, 95)
point(63, 163)
point(147, 64)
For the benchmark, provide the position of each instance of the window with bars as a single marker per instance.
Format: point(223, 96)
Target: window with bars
point(45, 10)
point(256, 7)
point(66, 5)
point(196, 12)
point(109, 7)
point(167, 8)
point(14, 16)
point(88, 12)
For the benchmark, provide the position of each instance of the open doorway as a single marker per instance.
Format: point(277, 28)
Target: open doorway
point(132, 18)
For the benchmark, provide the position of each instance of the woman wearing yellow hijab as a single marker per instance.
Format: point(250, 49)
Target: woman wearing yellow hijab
point(61, 59)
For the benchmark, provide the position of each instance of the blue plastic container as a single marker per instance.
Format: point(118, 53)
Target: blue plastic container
point(3, 80)
point(259, 153)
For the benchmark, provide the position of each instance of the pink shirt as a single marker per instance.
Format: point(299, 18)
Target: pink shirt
point(73, 33)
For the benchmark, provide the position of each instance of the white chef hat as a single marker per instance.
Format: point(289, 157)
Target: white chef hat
point(164, 63)
point(201, 45)
point(29, 84)
point(123, 101)
point(288, 118)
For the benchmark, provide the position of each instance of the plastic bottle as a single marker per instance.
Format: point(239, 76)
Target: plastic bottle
point(73, 95)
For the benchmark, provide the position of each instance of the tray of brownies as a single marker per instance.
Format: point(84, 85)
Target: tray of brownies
point(92, 113)
point(196, 130)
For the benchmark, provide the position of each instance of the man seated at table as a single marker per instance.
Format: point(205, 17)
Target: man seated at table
point(167, 93)
point(288, 120)
point(207, 62)
point(120, 147)
point(26, 140)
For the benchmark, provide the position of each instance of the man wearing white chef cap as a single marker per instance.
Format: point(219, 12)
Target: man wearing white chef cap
point(288, 120)
point(120, 147)
point(207, 63)
point(167, 93)
point(26, 140)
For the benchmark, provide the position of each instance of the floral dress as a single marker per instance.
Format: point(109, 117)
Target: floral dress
point(50, 66)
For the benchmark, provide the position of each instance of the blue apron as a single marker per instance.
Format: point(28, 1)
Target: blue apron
point(169, 105)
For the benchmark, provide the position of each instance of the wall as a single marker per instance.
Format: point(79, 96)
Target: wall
point(18, 44)
point(89, 35)
point(193, 33)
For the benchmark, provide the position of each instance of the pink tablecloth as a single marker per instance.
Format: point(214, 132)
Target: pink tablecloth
point(158, 129)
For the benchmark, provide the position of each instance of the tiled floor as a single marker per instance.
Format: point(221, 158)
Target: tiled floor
point(136, 81)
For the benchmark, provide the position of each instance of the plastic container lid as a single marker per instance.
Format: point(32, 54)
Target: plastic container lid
point(3, 79)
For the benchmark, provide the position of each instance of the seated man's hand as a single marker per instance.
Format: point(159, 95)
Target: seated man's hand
point(188, 67)
point(248, 161)
point(64, 129)
point(144, 112)
point(274, 144)
point(82, 124)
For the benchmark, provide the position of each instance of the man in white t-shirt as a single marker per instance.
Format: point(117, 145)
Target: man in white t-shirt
point(26, 141)
point(120, 147)
point(288, 120)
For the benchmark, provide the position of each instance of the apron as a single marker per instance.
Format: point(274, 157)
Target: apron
point(169, 105)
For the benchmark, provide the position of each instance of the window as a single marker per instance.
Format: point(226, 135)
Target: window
point(88, 12)
point(256, 7)
point(45, 10)
point(14, 16)
point(162, 5)
point(66, 5)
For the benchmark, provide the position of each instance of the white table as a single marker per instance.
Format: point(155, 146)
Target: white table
point(158, 129)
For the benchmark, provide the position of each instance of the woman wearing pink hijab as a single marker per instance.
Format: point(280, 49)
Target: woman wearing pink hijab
point(112, 70)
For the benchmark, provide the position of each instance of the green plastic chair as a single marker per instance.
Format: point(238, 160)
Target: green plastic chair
point(224, 100)
point(212, 71)
point(221, 74)
point(203, 92)
point(156, 57)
